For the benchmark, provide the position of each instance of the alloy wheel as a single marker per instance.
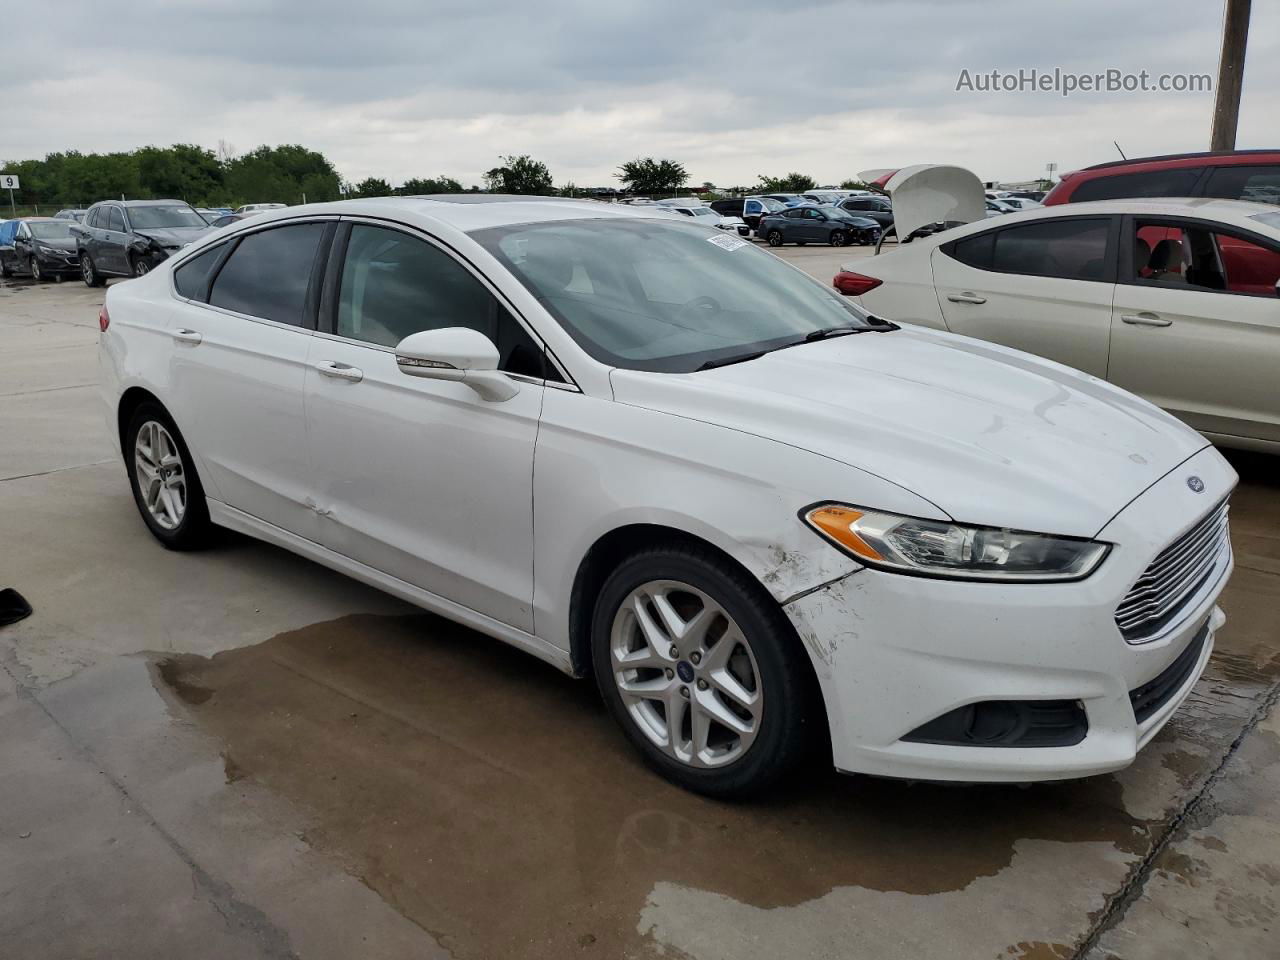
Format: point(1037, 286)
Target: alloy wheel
point(161, 475)
point(775, 238)
point(35, 270)
point(838, 238)
point(686, 674)
point(86, 270)
point(141, 268)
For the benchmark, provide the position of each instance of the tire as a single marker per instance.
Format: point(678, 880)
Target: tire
point(139, 267)
point(178, 516)
point(88, 272)
point(36, 275)
point(766, 662)
point(775, 238)
point(838, 238)
point(5, 272)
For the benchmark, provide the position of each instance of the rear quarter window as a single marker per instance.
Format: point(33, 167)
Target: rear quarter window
point(191, 279)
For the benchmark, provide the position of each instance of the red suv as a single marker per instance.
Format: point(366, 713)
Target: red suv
point(1229, 174)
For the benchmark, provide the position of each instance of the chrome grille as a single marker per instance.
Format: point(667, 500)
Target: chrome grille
point(1173, 577)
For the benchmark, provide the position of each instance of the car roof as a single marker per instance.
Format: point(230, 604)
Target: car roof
point(468, 212)
point(1240, 213)
point(1222, 155)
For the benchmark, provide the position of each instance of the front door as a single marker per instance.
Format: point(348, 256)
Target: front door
point(1196, 326)
point(423, 479)
point(1044, 287)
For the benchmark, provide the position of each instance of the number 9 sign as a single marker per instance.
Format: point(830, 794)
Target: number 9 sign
point(8, 181)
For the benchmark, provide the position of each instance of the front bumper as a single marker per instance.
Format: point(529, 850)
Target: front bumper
point(894, 652)
point(59, 263)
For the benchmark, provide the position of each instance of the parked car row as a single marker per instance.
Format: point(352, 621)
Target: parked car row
point(40, 247)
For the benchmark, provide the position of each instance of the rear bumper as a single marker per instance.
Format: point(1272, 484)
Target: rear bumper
point(893, 653)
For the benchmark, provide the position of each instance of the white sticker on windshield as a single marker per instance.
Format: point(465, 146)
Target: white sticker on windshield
point(729, 243)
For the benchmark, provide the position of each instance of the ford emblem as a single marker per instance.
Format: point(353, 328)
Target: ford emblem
point(1196, 484)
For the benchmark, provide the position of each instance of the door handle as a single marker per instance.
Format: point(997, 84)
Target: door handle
point(965, 298)
point(187, 336)
point(1145, 320)
point(340, 371)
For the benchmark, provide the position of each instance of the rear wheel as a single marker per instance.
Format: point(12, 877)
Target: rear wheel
point(775, 238)
point(165, 485)
point(838, 238)
point(703, 672)
point(5, 272)
point(88, 272)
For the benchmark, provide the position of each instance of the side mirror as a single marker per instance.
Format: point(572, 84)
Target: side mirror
point(456, 353)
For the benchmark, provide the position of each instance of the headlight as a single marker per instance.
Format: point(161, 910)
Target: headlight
point(935, 548)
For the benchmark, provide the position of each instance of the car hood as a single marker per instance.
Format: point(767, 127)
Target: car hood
point(173, 236)
point(860, 221)
point(987, 434)
point(58, 243)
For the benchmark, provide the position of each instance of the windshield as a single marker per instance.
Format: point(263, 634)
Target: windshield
point(666, 296)
point(50, 230)
point(703, 212)
point(142, 218)
point(1270, 219)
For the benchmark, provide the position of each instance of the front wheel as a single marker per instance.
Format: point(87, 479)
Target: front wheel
point(838, 238)
point(139, 267)
point(165, 485)
point(775, 238)
point(36, 274)
point(88, 272)
point(703, 671)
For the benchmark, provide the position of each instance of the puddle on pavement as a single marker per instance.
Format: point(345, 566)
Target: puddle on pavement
point(490, 799)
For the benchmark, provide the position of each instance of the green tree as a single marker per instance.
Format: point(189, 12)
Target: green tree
point(183, 171)
point(647, 175)
point(370, 187)
point(858, 185)
point(522, 175)
point(282, 175)
point(791, 183)
point(418, 186)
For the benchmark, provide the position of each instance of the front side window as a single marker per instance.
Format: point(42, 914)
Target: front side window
point(812, 214)
point(1190, 256)
point(1260, 184)
point(268, 274)
point(1155, 183)
point(1072, 249)
point(661, 295)
point(394, 285)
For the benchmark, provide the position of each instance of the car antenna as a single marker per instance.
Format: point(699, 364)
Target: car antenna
point(1117, 146)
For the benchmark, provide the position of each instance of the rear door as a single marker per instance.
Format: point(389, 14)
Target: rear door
point(1043, 286)
point(1196, 329)
point(239, 357)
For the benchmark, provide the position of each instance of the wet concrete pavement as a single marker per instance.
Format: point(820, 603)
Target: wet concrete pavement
point(238, 753)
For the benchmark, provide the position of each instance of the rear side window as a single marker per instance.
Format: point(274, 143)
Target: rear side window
point(1153, 183)
point(268, 274)
point(1074, 249)
point(1260, 184)
point(191, 280)
point(115, 219)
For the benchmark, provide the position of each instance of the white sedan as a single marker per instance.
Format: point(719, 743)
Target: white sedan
point(654, 454)
point(1175, 300)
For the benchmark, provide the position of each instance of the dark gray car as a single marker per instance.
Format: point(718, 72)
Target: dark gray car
point(801, 225)
point(126, 238)
point(878, 209)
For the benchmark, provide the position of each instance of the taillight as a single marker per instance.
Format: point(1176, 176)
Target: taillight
point(104, 319)
point(854, 284)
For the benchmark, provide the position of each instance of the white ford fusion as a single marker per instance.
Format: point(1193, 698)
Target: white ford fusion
point(647, 451)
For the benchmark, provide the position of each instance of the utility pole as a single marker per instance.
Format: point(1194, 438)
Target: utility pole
point(1226, 104)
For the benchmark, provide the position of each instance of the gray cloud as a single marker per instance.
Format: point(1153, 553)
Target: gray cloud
point(400, 88)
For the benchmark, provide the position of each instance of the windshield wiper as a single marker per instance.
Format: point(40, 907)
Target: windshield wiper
point(826, 332)
point(726, 361)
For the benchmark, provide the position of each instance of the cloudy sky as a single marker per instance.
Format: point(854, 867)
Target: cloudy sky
point(402, 88)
